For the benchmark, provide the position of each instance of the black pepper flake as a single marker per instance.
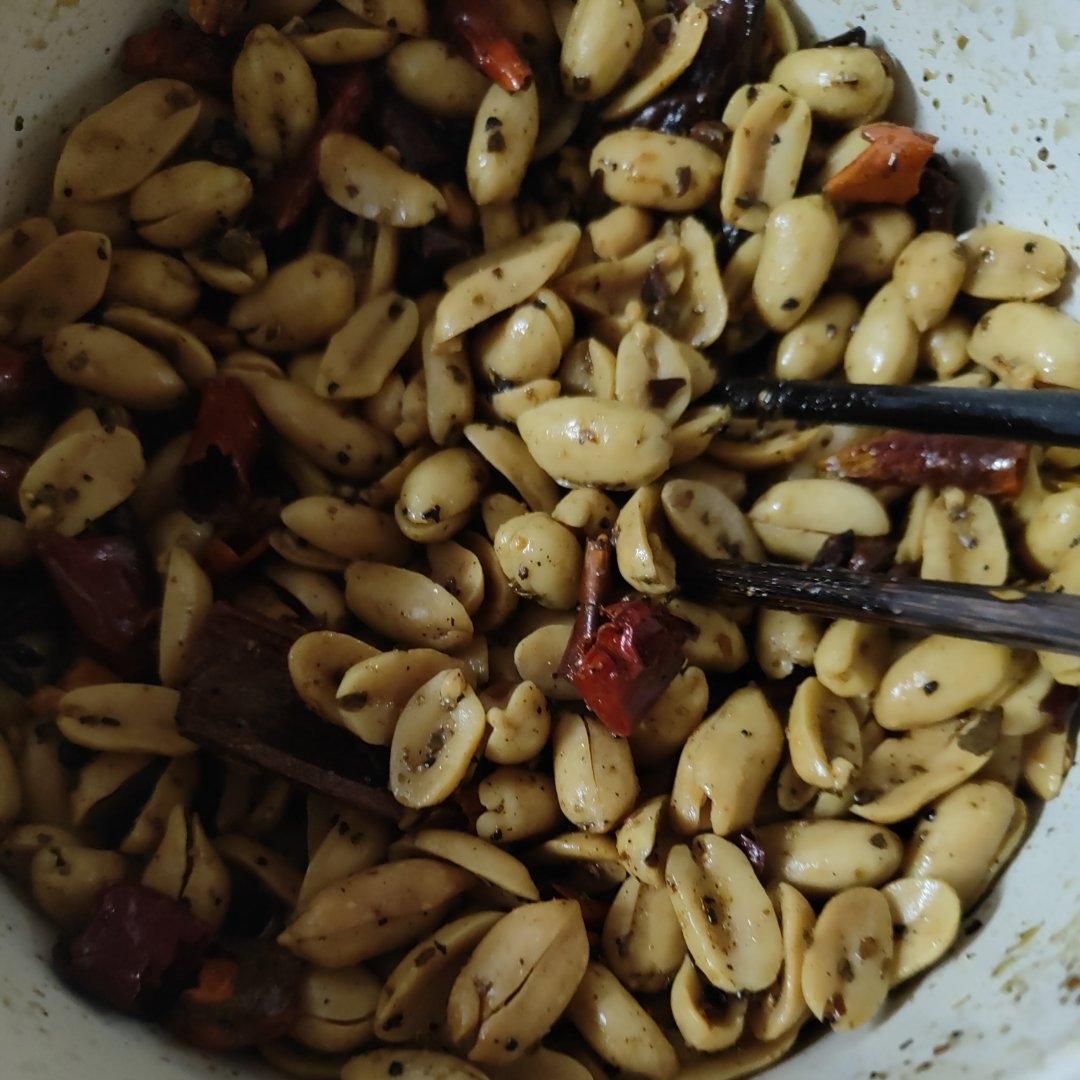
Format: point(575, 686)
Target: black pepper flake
point(395, 310)
point(790, 304)
point(878, 840)
point(342, 458)
point(496, 142)
point(1029, 247)
point(511, 1044)
point(396, 1068)
point(683, 177)
point(930, 687)
point(492, 122)
point(663, 30)
point(19, 123)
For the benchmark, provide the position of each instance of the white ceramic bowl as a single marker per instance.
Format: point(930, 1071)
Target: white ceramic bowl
point(1000, 83)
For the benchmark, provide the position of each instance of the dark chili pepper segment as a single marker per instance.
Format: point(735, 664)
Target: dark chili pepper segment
point(106, 587)
point(138, 947)
point(725, 61)
point(938, 197)
point(176, 49)
point(287, 196)
point(982, 466)
point(474, 27)
point(217, 465)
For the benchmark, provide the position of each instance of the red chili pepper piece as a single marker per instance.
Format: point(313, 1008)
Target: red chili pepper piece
point(475, 28)
point(13, 466)
point(286, 197)
point(174, 49)
point(136, 942)
point(22, 378)
point(247, 997)
point(216, 469)
point(984, 466)
point(104, 584)
point(635, 655)
point(595, 584)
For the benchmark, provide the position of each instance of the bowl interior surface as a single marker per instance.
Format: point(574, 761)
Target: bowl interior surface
point(999, 82)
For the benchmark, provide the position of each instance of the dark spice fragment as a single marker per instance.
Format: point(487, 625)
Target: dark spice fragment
point(864, 554)
point(935, 205)
point(747, 842)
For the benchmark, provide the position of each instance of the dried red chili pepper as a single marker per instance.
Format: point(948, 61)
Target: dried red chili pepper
point(474, 26)
point(984, 466)
point(725, 60)
point(287, 196)
point(105, 585)
point(636, 653)
point(175, 49)
point(23, 377)
point(245, 997)
point(13, 466)
point(595, 585)
point(137, 946)
point(216, 470)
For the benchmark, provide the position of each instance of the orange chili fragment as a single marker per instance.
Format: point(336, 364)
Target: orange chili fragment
point(888, 170)
point(217, 982)
point(983, 466)
point(474, 25)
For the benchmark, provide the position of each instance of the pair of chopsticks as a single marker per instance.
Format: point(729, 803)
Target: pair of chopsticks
point(1008, 616)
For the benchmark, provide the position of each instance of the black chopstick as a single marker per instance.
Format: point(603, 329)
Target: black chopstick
point(1035, 416)
point(1006, 615)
